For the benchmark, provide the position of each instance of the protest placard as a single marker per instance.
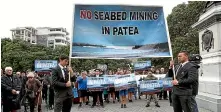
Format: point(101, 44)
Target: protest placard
point(151, 86)
point(119, 32)
point(167, 83)
point(125, 82)
point(96, 83)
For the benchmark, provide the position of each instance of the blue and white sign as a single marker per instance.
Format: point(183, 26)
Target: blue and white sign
point(151, 86)
point(110, 79)
point(96, 82)
point(125, 81)
point(167, 83)
point(142, 65)
point(119, 31)
point(41, 65)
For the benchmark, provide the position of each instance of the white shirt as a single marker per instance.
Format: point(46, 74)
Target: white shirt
point(181, 67)
point(184, 63)
point(62, 70)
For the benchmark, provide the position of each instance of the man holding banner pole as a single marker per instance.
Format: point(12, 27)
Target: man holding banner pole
point(62, 85)
point(184, 79)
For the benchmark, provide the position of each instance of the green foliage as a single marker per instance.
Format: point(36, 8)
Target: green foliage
point(21, 55)
point(183, 37)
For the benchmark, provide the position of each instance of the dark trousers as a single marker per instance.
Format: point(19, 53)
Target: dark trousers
point(117, 95)
point(163, 94)
point(64, 106)
point(32, 104)
point(44, 94)
point(7, 106)
point(106, 97)
point(51, 97)
point(170, 96)
point(99, 94)
point(139, 93)
point(181, 103)
point(194, 104)
point(88, 98)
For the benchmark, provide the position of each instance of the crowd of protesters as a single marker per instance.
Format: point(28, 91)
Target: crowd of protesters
point(26, 89)
point(29, 89)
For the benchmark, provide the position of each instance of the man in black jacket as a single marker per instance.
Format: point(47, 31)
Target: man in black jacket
point(62, 85)
point(11, 86)
point(184, 83)
point(97, 93)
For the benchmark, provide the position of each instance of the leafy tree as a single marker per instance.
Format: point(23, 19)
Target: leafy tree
point(184, 37)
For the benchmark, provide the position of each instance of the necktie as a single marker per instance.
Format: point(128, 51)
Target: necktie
point(179, 68)
point(64, 73)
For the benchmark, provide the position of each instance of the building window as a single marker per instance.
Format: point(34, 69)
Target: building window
point(57, 40)
point(52, 29)
point(51, 42)
point(17, 32)
point(58, 29)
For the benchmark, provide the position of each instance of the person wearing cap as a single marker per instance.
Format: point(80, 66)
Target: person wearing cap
point(33, 88)
point(153, 96)
point(10, 89)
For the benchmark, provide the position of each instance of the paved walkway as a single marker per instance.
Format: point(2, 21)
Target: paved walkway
point(135, 106)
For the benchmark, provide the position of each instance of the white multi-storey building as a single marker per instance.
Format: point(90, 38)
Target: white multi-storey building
point(25, 33)
point(50, 37)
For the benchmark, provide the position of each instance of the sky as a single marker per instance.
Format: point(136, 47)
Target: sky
point(57, 13)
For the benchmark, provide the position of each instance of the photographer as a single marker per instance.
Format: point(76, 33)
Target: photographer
point(195, 59)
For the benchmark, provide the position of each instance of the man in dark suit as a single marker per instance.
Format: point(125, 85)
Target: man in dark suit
point(97, 93)
point(186, 76)
point(62, 85)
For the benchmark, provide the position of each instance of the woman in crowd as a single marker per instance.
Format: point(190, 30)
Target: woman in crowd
point(51, 93)
point(33, 89)
point(163, 93)
point(111, 89)
point(117, 94)
point(46, 84)
point(123, 94)
point(130, 90)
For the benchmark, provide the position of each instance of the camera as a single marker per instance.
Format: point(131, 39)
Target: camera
point(195, 58)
